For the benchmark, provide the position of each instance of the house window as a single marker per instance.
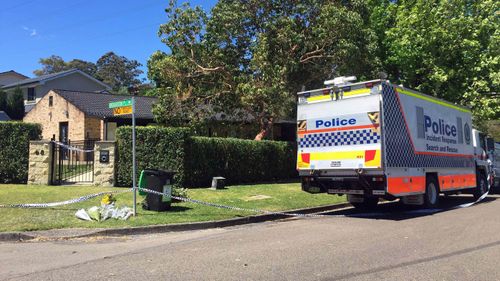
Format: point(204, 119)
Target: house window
point(51, 100)
point(31, 94)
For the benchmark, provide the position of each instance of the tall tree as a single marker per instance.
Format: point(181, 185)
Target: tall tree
point(15, 104)
point(55, 64)
point(88, 67)
point(447, 48)
point(50, 65)
point(118, 71)
point(253, 56)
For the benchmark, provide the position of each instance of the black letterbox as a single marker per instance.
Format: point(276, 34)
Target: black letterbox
point(104, 156)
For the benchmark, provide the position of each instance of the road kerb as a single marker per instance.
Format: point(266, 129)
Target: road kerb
point(53, 234)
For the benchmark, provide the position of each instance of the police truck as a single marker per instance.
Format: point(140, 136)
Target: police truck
point(374, 139)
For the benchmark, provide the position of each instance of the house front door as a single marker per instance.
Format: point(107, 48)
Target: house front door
point(63, 132)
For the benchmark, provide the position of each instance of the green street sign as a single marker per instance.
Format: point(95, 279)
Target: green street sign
point(120, 103)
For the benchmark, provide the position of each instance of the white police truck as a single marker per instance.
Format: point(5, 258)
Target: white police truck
point(374, 139)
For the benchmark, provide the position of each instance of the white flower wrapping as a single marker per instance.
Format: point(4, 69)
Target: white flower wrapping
point(104, 212)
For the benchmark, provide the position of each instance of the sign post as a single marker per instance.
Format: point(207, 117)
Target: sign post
point(126, 107)
point(133, 157)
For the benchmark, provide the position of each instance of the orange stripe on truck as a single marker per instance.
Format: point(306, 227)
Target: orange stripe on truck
point(402, 185)
point(416, 184)
point(448, 182)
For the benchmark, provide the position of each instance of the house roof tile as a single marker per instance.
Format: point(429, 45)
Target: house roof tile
point(13, 72)
point(97, 104)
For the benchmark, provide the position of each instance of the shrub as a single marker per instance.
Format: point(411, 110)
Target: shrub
point(197, 159)
point(15, 105)
point(14, 152)
point(238, 160)
point(156, 148)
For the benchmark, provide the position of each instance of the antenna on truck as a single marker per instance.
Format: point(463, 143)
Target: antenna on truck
point(340, 81)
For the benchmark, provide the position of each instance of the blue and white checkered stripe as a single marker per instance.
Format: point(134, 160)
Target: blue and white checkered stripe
point(340, 138)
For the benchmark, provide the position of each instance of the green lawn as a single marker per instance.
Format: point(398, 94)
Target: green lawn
point(282, 197)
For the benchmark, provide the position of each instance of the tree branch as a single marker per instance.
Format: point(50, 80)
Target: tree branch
point(310, 55)
point(202, 68)
point(315, 57)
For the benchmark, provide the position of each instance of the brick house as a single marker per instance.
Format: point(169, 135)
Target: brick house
point(77, 115)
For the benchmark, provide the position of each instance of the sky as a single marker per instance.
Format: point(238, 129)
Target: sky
point(80, 29)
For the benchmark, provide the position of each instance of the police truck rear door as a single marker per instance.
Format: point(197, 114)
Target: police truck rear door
point(339, 131)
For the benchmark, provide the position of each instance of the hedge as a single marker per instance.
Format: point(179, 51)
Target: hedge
point(238, 160)
point(197, 159)
point(14, 153)
point(156, 148)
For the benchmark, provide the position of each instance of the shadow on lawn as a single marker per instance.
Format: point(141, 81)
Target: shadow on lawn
point(173, 209)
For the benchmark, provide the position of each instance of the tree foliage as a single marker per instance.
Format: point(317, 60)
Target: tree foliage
point(50, 65)
point(253, 56)
point(15, 104)
point(55, 64)
point(12, 104)
point(449, 49)
point(3, 101)
point(117, 71)
point(88, 67)
point(494, 129)
point(15, 144)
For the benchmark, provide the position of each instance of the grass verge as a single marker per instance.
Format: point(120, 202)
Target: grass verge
point(272, 197)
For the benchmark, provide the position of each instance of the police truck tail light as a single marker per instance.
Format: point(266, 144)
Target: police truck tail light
point(369, 85)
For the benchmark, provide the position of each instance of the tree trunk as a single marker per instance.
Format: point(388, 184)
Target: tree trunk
point(265, 127)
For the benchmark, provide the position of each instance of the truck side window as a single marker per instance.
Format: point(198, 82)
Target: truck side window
point(482, 142)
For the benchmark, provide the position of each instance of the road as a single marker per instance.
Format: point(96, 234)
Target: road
point(391, 244)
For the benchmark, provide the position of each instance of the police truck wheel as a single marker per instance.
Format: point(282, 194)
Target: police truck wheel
point(431, 197)
point(369, 203)
point(481, 186)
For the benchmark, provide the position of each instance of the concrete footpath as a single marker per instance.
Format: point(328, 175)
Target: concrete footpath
point(70, 233)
